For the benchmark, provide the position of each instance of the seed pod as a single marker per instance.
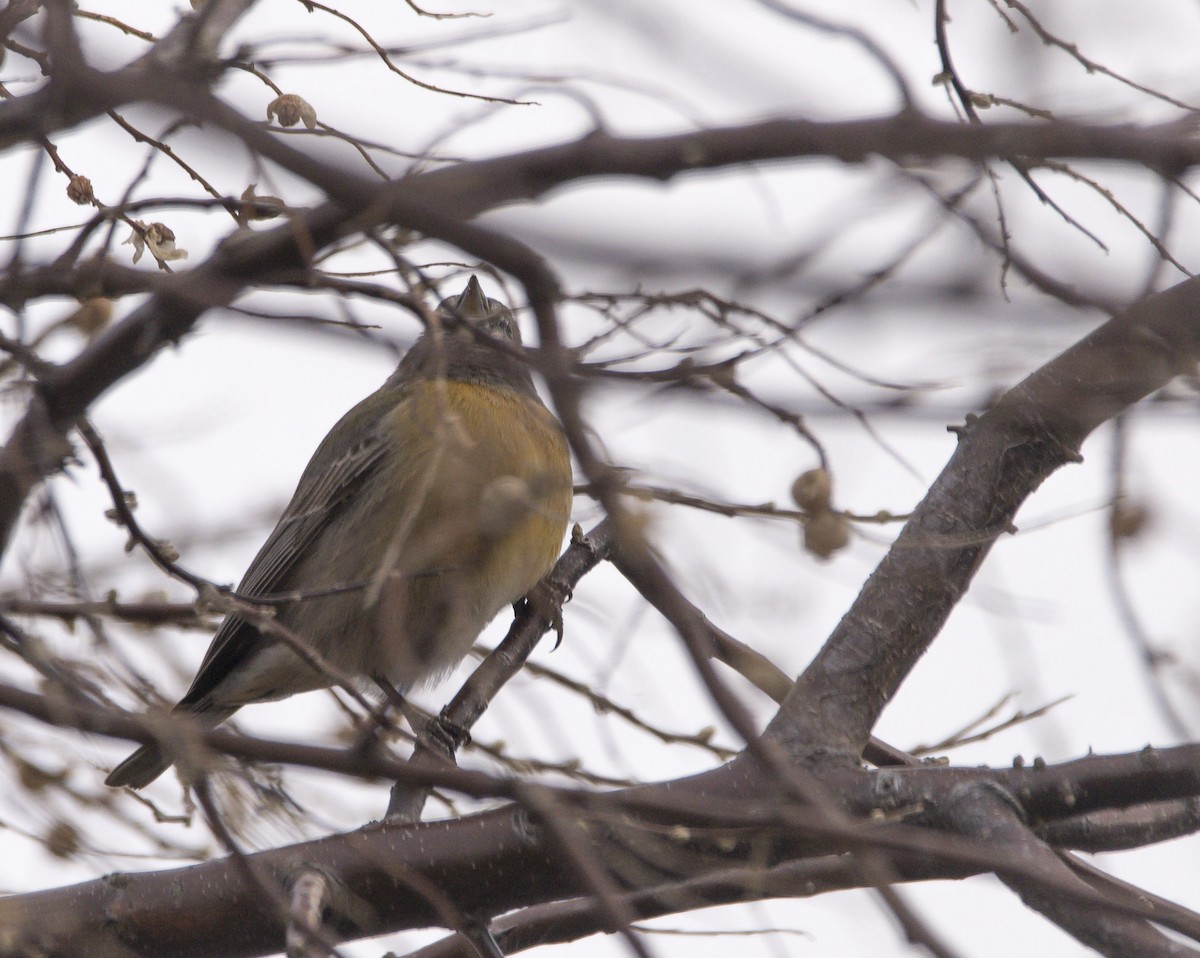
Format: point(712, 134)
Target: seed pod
point(1127, 520)
point(291, 109)
point(813, 490)
point(826, 533)
point(79, 190)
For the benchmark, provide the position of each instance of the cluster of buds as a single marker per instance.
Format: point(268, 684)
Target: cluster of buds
point(826, 531)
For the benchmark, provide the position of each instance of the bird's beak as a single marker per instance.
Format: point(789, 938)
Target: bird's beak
point(472, 304)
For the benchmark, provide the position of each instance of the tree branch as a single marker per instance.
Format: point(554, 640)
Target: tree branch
point(993, 816)
point(1002, 457)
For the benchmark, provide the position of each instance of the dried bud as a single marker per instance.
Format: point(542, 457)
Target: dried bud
point(826, 533)
point(34, 778)
point(129, 498)
point(158, 237)
point(62, 841)
point(166, 550)
point(291, 109)
point(134, 239)
point(92, 316)
point(161, 241)
point(79, 190)
point(1127, 520)
point(258, 207)
point(813, 490)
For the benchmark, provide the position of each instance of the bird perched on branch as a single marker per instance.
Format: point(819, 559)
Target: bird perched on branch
point(433, 504)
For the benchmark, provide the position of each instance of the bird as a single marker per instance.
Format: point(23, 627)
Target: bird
point(431, 505)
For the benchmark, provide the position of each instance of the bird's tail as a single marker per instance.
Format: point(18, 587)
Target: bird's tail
point(140, 769)
point(150, 761)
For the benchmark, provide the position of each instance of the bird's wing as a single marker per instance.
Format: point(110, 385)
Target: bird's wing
point(333, 476)
point(320, 494)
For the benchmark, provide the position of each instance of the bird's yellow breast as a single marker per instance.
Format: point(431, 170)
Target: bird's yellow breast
point(484, 481)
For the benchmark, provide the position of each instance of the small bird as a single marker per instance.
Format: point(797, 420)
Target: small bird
point(434, 503)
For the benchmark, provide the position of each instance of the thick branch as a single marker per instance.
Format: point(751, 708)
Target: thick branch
point(987, 813)
point(653, 837)
point(904, 136)
point(1001, 459)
